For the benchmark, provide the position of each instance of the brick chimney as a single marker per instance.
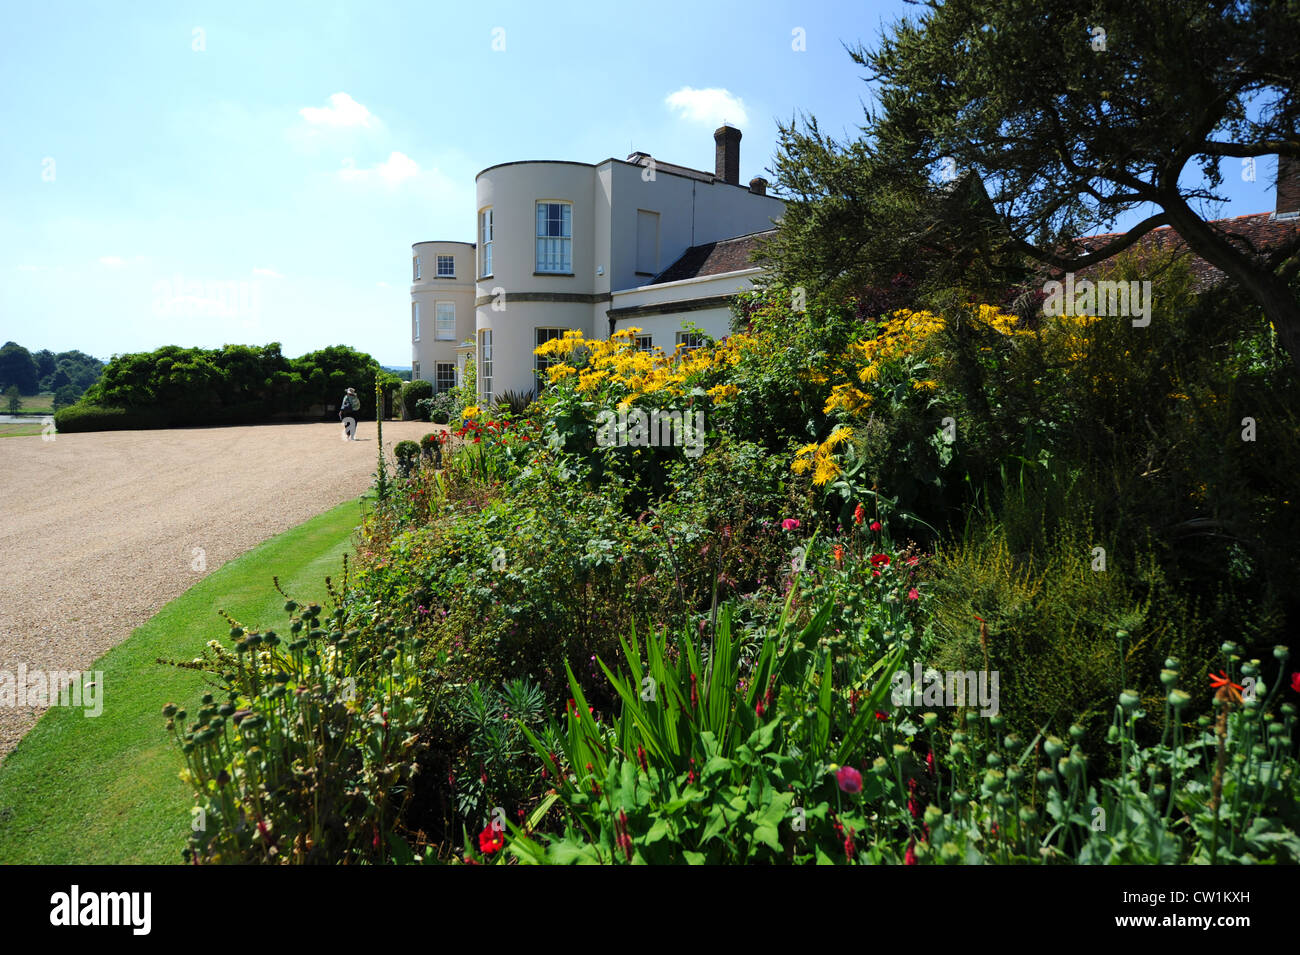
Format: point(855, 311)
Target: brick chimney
point(758, 186)
point(726, 154)
point(1288, 185)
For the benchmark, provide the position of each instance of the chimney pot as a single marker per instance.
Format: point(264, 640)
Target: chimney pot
point(758, 186)
point(726, 154)
point(1288, 185)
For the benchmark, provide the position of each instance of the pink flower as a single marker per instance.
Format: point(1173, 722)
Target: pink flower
point(913, 594)
point(849, 779)
point(789, 524)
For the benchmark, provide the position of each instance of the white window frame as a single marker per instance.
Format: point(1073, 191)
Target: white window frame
point(543, 362)
point(415, 370)
point(450, 261)
point(415, 321)
point(438, 368)
point(485, 230)
point(486, 396)
point(684, 340)
point(645, 343)
point(415, 268)
point(438, 334)
point(564, 243)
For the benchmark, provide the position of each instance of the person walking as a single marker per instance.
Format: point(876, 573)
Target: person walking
point(348, 409)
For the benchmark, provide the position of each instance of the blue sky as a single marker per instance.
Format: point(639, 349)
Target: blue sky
point(197, 174)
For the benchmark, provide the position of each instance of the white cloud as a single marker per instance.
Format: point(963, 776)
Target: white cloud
point(342, 111)
point(381, 284)
point(711, 106)
point(268, 273)
point(397, 168)
point(112, 261)
point(28, 268)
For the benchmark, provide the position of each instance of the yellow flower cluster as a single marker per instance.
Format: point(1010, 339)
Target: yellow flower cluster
point(618, 361)
point(820, 458)
point(904, 333)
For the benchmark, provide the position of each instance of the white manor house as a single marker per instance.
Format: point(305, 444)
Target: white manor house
point(569, 245)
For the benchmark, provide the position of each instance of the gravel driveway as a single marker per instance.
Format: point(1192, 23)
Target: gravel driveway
point(100, 530)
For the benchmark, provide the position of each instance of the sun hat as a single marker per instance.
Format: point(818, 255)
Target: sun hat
point(352, 391)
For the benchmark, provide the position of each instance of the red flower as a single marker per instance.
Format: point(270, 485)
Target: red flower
point(491, 839)
point(875, 525)
point(1295, 682)
point(913, 594)
point(910, 857)
point(849, 779)
point(789, 524)
point(881, 716)
point(859, 514)
point(879, 560)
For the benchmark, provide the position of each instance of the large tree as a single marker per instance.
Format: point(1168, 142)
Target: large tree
point(1071, 114)
point(17, 367)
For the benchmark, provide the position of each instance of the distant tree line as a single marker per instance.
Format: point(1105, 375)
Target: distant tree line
point(65, 374)
point(234, 384)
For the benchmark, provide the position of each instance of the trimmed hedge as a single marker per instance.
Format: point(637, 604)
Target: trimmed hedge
point(412, 392)
point(82, 417)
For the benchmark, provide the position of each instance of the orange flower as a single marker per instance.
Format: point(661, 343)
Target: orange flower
point(838, 551)
point(1227, 690)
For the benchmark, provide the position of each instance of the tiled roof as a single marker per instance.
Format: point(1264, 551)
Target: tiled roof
point(1260, 231)
point(713, 258)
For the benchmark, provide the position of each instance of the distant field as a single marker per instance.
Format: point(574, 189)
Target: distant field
point(42, 403)
point(19, 430)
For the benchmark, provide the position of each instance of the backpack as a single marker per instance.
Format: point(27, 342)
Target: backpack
point(351, 402)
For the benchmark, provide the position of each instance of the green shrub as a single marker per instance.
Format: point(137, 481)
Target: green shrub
point(413, 392)
point(1025, 597)
point(514, 402)
point(84, 417)
point(439, 409)
point(305, 753)
point(407, 454)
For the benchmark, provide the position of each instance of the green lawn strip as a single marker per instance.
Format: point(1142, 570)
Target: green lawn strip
point(81, 790)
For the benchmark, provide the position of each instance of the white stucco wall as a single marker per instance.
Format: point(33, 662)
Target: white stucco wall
point(605, 200)
point(664, 327)
point(429, 291)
